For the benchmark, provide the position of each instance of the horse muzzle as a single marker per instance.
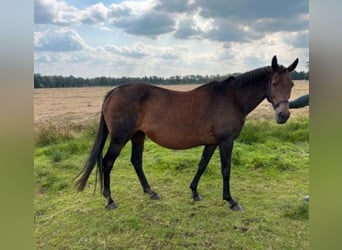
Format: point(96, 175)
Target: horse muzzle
point(282, 112)
point(282, 116)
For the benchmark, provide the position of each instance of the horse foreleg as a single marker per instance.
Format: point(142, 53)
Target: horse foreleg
point(226, 148)
point(136, 159)
point(206, 156)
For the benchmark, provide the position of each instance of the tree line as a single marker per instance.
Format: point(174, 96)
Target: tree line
point(58, 81)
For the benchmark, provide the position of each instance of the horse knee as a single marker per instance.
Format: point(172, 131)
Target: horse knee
point(225, 172)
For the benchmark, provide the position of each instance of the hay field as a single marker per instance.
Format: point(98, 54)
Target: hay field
point(80, 105)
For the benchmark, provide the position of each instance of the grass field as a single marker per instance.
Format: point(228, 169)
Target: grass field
point(270, 173)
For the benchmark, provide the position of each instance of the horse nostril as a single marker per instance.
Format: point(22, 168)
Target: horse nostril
point(282, 117)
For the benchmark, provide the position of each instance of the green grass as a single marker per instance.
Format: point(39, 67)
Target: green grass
point(269, 179)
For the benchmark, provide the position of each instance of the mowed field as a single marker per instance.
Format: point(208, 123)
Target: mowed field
point(78, 105)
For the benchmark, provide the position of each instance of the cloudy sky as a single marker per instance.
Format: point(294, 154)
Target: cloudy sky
point(89, 38)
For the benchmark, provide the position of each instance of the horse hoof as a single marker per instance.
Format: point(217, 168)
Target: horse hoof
point(155, 196)
point(111, 206)
point(197, 198)
point(236, 207)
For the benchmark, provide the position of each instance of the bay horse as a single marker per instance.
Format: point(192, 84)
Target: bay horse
point(212, 115)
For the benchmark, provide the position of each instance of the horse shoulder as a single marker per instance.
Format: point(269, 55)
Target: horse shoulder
point(226, 115)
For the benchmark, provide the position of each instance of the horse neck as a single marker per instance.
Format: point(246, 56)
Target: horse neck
point(252, 87)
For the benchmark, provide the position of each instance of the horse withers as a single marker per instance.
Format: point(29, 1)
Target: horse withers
point(211, 115)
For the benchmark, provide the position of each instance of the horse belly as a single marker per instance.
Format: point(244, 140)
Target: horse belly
point(176, 121)
point(179, 138)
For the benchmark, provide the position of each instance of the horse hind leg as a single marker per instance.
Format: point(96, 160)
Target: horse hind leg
point(108, 163)
point(136, 159)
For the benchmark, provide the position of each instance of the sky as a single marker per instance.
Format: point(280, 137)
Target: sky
point(91, 38)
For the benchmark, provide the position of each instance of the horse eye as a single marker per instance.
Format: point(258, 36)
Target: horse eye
point(274, 84)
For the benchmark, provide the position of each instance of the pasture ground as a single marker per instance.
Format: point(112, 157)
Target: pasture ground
point(270, 177)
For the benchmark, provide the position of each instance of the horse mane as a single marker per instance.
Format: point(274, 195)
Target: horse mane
point(257, 75)
point(249, 77)
point(220, 86)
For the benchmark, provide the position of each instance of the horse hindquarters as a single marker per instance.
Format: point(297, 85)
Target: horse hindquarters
point(121, 112)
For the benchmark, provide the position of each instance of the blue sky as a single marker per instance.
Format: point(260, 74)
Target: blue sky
point(164, 38)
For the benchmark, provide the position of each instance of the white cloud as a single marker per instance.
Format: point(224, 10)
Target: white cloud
point(43, 58)
point(138, 50)
point(193, 26)
point(150, 24)
point(54, 12)
point(164, 37)
point(95, 14)
point(218, 20)
point(178, 6)
point(138, 7)
point(260, 52)
point(58, 40)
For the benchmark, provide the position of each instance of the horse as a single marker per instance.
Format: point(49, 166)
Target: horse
point(211, 115)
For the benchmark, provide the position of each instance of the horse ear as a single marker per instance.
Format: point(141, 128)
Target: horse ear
point(275, 65)
point(293, 65)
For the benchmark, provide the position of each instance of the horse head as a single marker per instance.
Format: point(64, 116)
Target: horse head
point(279, 90)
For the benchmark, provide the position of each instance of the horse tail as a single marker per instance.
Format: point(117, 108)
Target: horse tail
point(95, 158)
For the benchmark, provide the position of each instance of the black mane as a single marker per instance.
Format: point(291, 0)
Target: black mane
point(221, 85)
point(249, 77)
point(257, 75)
